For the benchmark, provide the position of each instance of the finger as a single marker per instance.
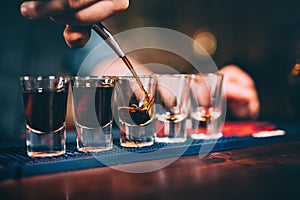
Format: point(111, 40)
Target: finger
point(43, 9)
point(244, 107)
point(239, 109)
point(235, 91)
point(100, 11)
point(233, 73)
point(76, 37)
point(244, 110)
point(254, 107)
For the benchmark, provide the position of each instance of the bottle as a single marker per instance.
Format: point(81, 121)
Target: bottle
point(294, 90)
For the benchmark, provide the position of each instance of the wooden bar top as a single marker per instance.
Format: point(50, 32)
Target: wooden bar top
point(263, 172)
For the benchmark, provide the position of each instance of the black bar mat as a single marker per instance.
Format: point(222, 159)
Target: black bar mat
point(14, 162)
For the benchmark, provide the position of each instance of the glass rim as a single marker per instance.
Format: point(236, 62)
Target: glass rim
point(75, 80)
point(216, 74)
point(191, 74)
point(131, 76)
point(43, 77)
point(93, 77)
point(172, 75)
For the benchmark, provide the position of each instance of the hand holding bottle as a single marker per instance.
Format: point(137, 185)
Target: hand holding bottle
point(77, 15)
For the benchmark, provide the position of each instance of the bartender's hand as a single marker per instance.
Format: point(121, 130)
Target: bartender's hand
point(242, 97)
point(77, 15)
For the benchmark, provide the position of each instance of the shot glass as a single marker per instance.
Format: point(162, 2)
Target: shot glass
point(172, 107)
point(92, 112)
point(207, 112)
point(45, 104)
point(133, 105)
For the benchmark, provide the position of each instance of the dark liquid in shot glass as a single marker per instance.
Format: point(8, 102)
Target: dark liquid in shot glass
point(91, 101)
point(45, 111)
point(134, 116)
point(148, 102)
point(139, 122)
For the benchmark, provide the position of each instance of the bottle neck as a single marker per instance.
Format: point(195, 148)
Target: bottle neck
point(296, 69)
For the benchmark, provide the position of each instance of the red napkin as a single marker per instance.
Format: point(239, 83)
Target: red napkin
point(246, 128)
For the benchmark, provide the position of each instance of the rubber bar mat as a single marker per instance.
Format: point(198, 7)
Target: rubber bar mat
point(15, 164)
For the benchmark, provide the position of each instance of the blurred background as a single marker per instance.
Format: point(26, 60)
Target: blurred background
point(261, 37)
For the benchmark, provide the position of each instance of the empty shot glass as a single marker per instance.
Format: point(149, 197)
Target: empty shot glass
point(172, 107)
point(45, 104)
point(207, 111)
point(133, 106)
point(92, 112)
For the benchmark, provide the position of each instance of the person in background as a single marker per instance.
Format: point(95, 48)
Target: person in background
point(78, 16)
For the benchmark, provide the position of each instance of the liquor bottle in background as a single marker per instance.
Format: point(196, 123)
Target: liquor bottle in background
point(294, 89)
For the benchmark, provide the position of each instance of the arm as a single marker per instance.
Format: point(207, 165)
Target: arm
point(241, 94)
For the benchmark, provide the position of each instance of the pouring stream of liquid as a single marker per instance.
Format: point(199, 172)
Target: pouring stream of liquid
point(110, 40)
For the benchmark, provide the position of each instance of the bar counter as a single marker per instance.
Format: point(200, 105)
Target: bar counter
point(270, 171)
